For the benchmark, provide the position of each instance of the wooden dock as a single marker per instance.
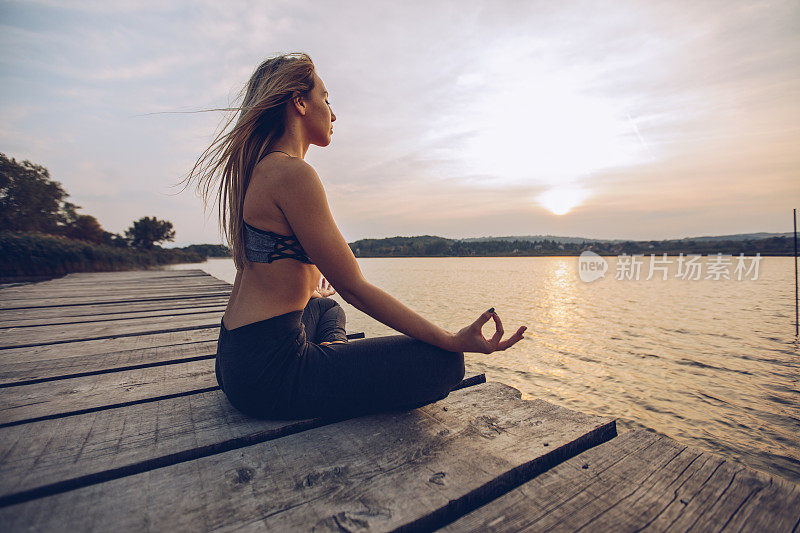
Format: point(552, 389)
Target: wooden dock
point(111, 419)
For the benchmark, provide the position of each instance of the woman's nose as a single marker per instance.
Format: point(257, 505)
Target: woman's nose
point(333, 117)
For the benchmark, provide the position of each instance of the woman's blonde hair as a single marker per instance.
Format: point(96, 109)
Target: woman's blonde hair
point(234, 154)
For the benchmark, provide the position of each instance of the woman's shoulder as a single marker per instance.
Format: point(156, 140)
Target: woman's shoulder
point(283, 171)
point(279, 186)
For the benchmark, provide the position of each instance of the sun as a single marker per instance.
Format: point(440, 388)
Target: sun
point(561, 200)
point(523, 120)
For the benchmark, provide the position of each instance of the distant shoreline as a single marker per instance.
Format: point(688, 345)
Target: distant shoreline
point(433, 246)
point(30, 257)
point(550, 255)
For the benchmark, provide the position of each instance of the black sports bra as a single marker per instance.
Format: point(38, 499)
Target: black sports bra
point(261, 246)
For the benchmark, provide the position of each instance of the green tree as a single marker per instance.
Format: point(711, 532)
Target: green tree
point(69, 214)
point(85, 228)
point(29, 199)
point(147, 231)
point(114, 239)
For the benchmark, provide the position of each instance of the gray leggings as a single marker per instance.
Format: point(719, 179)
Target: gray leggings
point(276, 369)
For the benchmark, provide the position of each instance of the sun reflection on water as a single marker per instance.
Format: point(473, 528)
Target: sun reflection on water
point(712, 364)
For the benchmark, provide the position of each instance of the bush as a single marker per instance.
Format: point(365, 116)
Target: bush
point(37, 254)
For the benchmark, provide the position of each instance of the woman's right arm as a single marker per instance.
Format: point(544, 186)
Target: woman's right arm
point(304, 204)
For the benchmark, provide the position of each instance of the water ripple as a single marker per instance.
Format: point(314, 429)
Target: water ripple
point(712, 364)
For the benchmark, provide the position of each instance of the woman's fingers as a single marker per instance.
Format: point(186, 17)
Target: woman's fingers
point(475, 341)
point(483, 319)
point(324, 288)
point(499, 333)
point(512, 340)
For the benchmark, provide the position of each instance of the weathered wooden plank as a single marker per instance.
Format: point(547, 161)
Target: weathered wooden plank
point(32, 298)
point(144, 296)
point(27, 371)
point(105, 278)
point(89, 298)
point(42, 457)
point(111, 279)
point(768, 509)
point(412, 467)
point(63, 289)
point(642, 480)
point(52, 456)
point(87, 319)
point(105, 346)
point(93, 389)
point(130, 275)
point(43, 289)
point(144, 272)
point(45, 314)
point(63, 333)
point(35, 356)
point(66, 367)
point(58, 398)
point(109, 282)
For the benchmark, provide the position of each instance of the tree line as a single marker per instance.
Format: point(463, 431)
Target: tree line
point(42, 233)
point(433, 246)
point(31, 201)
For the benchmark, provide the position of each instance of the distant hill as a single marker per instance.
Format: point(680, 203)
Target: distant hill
point(739, 237)
point(549, 245)
point(579, 240)
point(535, 238)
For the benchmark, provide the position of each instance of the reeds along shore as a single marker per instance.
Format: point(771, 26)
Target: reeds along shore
point(32, 255)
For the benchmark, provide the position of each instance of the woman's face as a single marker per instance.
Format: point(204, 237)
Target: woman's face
point(319, 116)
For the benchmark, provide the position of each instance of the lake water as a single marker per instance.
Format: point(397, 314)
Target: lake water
point(713, 363)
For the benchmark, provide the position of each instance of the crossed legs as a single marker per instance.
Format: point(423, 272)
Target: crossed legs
point(324, 320)
point(365, 375)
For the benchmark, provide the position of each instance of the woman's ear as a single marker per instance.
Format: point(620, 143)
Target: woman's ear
point(299, 103)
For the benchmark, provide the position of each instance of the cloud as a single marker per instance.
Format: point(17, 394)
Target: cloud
point(146, 69)
point(99, 6)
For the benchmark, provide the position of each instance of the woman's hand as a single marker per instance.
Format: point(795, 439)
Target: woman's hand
point(324, 288)
point(471, 339)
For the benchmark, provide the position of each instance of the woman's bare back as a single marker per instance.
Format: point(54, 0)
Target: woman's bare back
point(264, 290)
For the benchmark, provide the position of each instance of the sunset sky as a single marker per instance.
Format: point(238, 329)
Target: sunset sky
point(641, 120)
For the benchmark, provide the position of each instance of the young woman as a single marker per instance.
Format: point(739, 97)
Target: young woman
point(282, 350)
